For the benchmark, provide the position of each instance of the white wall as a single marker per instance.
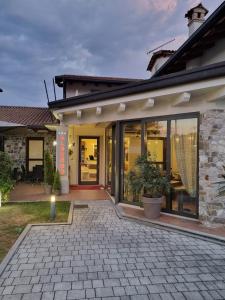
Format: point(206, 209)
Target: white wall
point(212, 55)
point(76, 89)
point(87, 130)
point(158, 63)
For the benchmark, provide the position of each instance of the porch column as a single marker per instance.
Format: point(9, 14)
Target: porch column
point(62, 163)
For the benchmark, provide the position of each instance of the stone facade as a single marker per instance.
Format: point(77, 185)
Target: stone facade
point(211, 166)
point(15, 145)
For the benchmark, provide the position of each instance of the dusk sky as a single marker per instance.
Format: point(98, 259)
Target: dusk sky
point(44, 38)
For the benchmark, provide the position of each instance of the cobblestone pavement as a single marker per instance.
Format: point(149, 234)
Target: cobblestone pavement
point(103, 257)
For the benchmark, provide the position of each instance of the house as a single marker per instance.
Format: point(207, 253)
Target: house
point(178, 115)
point(25, 132)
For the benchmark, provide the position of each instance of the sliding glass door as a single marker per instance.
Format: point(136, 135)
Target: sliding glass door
point(131, 150)
point(172, 144)
point(183, 140)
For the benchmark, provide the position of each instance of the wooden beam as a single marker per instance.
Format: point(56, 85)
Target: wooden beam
point(122, 107)
point(60, 117)
point(98, 111)
point(182, 99)
point(79, 114)
point(149, 103)
point(218, 94)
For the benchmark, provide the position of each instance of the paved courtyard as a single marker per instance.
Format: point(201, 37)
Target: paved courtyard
point(103, 257)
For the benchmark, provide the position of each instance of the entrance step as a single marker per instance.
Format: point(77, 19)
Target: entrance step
point(87, 187)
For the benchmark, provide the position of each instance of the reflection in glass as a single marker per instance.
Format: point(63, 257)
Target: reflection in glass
point(184, 165)
point(131, 150)
point(156, 145)
point(89, 160)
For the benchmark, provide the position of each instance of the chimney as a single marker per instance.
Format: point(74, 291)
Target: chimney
point(158, 59)
point(196, 17)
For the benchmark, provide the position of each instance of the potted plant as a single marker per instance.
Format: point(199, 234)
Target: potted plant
point(48, 173)
point(6, 182)
point(57, 184)
point(149, 181)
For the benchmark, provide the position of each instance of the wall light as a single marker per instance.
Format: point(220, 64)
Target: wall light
point(54, 143)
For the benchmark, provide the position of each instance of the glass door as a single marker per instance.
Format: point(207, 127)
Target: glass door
point(184, 166)
point(88, 160)
point(131, 150)
point(110, 159)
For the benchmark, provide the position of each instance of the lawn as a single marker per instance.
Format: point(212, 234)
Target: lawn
point(15, 216)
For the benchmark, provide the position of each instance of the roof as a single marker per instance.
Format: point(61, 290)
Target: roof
point(187, 76)
point(26, 116)
point(158, 54)
point(93, 79)
point(203, 38)
point(190, 12)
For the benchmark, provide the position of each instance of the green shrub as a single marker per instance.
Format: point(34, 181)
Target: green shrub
point(6, 182)
point(57, 182)
point(147, 179)
point(48, 169)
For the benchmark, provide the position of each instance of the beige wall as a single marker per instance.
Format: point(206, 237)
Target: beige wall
point(86, 130)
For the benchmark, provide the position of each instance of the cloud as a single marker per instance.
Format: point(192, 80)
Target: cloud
point(193, 3)
point(96, 37)
point(157, 6)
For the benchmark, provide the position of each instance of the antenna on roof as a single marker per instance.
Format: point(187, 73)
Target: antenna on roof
point(46, 91)
point(149, 52)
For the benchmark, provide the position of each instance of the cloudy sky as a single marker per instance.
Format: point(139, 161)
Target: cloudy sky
point(44, 38)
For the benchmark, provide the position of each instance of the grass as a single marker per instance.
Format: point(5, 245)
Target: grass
point(15, 216)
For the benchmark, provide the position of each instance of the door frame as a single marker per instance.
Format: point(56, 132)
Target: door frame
point(28, 152)
point(79, 160)
point(168, 119)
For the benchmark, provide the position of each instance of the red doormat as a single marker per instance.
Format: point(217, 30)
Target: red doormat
point(87, 187)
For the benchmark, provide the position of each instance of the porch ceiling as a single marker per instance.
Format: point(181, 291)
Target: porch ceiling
point(180, 96)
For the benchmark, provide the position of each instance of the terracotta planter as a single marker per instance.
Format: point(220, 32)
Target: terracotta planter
point(48, 189)
point(152, 207)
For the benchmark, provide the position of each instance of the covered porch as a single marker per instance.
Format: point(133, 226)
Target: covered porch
point(35, 192)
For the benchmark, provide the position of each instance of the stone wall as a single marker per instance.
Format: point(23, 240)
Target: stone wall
point(211, 166)
point(15, 145)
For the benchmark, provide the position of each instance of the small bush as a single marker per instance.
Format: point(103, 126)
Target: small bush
point(57, 182)
point(48, 169)
point(6, 182)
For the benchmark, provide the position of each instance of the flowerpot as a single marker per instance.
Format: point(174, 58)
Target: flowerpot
point(48, 189)
point(57, 192)
point(152, 207)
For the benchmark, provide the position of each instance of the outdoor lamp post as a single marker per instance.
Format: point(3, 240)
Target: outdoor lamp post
point(53, 209)
point(0, 198)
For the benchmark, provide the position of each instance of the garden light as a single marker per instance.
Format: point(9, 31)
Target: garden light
point(53, 209)
point(54, 143)
point(0, 198)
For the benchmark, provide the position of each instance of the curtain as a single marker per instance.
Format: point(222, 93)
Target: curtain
point(185, 146)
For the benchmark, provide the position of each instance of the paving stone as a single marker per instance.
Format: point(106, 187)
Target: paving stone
point(47, 296)
point(119, 291)
point(32, 296)
point(76, 294)
point(104, 292)
point(101, 256)
point(60, 295)
point(22, 289)
point(62, 286)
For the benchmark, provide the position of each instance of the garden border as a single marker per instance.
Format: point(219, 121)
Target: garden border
point(22, 236)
